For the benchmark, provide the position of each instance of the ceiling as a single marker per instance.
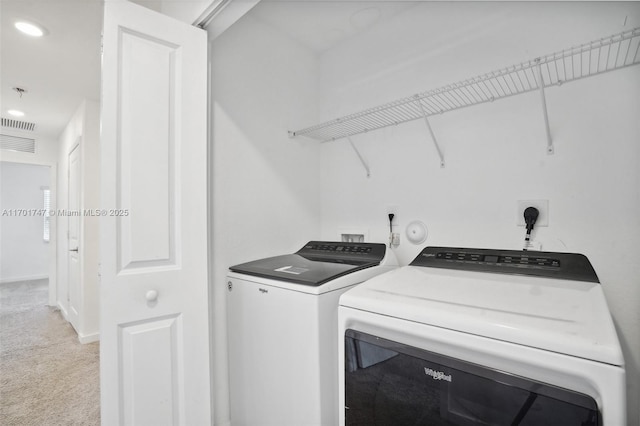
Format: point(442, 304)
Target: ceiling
point(58, 71)
point(320, 25)
point(61, 69)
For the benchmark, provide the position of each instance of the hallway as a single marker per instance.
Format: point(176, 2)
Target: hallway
point(47, 376)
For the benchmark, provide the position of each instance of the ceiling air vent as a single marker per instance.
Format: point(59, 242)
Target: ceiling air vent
point(15, 143)
point(18, 125)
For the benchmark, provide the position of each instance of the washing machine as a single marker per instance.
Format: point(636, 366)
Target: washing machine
point(467, 336)
point(282, 331)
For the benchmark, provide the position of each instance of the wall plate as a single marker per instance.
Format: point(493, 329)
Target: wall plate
point(344, 232)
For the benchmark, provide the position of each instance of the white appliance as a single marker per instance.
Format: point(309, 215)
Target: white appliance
point(476, 336)
point(282, 319)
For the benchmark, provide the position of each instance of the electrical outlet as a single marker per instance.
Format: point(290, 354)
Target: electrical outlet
point(543, 209)
point(393, 209)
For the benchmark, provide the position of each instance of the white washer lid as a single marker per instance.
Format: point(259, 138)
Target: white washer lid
point(569, 317)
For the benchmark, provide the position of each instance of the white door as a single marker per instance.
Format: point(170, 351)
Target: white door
point(154, 351)
point(73, 244)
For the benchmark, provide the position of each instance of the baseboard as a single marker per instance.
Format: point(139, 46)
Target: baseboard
point(89, 338)
point(63, 311)
point(27, 278)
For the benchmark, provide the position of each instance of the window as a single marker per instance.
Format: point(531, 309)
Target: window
point(46, 195)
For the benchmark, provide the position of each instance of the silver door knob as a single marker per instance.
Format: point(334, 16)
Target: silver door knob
point(152, 296)
point(75, 249)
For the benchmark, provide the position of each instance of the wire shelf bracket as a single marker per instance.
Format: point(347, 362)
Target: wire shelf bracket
point(606, 54)
point(362, 160)
point(433, 136)
point(545, 113)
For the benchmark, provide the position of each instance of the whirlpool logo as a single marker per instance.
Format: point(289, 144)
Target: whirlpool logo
point(437, 375)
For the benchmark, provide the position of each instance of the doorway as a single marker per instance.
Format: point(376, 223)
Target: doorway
point(25, 222)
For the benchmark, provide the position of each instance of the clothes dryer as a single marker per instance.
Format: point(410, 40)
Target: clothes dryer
point(481, 337)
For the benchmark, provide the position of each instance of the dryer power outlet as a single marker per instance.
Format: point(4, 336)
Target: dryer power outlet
point(543, 209)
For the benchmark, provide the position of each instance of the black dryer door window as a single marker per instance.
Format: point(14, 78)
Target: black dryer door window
point(390, 384)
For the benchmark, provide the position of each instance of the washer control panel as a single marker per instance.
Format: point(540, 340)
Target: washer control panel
point(371, 252)
point(338, 248)
point(569, 266)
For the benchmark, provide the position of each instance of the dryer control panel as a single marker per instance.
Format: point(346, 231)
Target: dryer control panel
point(568, 266)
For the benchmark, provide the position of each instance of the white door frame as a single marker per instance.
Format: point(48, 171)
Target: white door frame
point(74, 319)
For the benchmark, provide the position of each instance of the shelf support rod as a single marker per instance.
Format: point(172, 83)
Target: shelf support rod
point(550, 150)
point(364, 163)
point(433, 136)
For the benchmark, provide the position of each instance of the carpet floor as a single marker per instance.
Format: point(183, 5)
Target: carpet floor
point(46, 376)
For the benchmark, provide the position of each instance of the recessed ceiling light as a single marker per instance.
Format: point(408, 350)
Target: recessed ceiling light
point(16, 113)
point(29, 28)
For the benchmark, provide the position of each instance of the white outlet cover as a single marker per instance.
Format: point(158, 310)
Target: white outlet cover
point(543, 209)
point(353, 231)
point(416, 232)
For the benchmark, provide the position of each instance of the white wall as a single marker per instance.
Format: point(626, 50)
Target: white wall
point(495, 153)
point(46, 155)
point(83, 129)
point(24, 254)
point(265, 186)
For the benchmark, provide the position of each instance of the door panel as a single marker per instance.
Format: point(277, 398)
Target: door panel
point(151, 354)
point(148, 94)
point(154, 294)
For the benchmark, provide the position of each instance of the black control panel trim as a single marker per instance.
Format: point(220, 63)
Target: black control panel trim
point(568, 266)
point(332, 251)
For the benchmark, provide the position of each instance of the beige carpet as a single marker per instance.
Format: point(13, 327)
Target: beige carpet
point(46, 376)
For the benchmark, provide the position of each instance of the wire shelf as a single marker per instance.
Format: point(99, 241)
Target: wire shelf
point(607, 54)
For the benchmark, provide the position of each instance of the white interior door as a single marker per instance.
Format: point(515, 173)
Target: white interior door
point(154, 351)
point(73, 245)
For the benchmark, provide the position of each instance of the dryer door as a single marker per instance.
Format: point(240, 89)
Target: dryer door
point(388, 383)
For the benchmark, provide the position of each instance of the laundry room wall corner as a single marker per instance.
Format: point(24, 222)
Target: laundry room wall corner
point(264, 186)
point(271, 194)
